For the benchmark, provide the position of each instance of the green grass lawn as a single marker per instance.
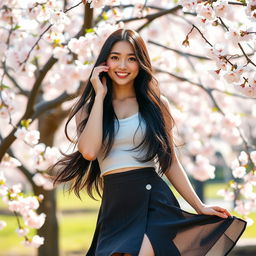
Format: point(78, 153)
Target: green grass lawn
point(76, 229)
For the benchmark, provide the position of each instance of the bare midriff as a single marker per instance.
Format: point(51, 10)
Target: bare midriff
point(125, 169)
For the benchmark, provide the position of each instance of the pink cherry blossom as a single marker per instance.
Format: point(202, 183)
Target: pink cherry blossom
point(232, 76)
point(38, 149)
point(243, 157)
point(201, 170)
point(32, 137)
point(96, 3)
point(231, 120)
point(3, 190)
point(60, 52)
point(40, 197)
point(32, 202)
point(252, 80)
point(14, 205)
point(221, 8)
point(243, 208)
point(250, 10)
point(234, 164)
point(9, 161)
point(247, 191)
point(58, 17)
point(48, 185)
point(83, 70)
point(231, 136)
point(205, 11)
point(16, 188)
point(247, 90)
point(239, 172)
point(221, 64)
point(7, 103)
point(253, 157)
point(34, 221)
point(195, 147)
point(35, 242)
point(2, 224)
point(250, 178)
point(139, 11)
point(227, 194)
point(39, 179)
point(21, 133)
point(3, 48)
point(22, 231)
point(2, 178)
point(188, 5)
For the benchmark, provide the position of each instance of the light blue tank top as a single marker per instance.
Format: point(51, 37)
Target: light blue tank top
point(124, 139)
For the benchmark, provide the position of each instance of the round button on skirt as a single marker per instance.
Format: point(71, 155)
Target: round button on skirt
point(138, 202)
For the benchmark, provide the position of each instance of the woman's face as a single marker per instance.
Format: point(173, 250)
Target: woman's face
point(123, 64)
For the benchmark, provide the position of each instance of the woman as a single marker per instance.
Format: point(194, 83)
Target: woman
point(125, 143)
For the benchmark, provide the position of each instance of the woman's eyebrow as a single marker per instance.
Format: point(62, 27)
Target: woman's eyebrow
point(118, 53)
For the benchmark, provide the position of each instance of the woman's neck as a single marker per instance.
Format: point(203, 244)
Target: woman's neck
point(121, 93)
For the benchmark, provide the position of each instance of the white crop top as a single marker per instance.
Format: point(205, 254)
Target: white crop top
point(123, 140)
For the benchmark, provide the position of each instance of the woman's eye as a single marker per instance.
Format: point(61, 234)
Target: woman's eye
point(132, 59)
point(114, 58)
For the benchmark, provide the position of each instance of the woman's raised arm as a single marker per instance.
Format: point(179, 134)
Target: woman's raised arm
point(90, 139)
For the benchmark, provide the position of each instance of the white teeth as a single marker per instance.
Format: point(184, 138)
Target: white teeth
point(121, 74)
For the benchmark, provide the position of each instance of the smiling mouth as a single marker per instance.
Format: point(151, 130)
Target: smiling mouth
point(122, 74)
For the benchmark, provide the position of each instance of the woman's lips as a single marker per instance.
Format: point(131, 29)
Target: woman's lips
point(122, 74)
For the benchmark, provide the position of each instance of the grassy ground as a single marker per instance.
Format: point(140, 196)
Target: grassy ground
point(76, 229)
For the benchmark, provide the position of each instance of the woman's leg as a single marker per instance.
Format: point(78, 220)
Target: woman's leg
point(146, 247)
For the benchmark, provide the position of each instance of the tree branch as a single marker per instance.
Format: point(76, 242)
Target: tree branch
point(15, 83)
point(44, 106)
point(179, 52)
point(183, 79)
point(246, 56)
point(151, 17)
point(209, 93)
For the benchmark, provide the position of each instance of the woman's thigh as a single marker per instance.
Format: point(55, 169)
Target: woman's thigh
point(146, 247)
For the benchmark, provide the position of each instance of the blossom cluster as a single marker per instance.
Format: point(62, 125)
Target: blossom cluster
point(26, 207)
point(241, 77)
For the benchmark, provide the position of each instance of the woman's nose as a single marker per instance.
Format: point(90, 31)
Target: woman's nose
point(122, 64)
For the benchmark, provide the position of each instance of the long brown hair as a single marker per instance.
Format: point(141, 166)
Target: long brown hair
point(158, 140)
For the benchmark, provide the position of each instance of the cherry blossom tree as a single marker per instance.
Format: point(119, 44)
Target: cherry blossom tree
point(203, 54)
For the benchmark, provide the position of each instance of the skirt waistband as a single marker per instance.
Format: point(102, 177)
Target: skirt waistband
point(139, 173)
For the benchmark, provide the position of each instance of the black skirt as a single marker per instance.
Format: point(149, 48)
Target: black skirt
point(138, 202)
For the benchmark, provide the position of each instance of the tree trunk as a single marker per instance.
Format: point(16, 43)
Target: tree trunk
point(48, 124)
point(50, 229)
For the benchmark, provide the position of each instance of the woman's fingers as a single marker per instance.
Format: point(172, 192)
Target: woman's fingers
point(104, 81)
point(99, 84)
point(221, 211)
point(216, 210)
point(99, 69)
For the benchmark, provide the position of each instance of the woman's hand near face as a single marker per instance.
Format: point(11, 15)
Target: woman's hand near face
point(99, 86)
